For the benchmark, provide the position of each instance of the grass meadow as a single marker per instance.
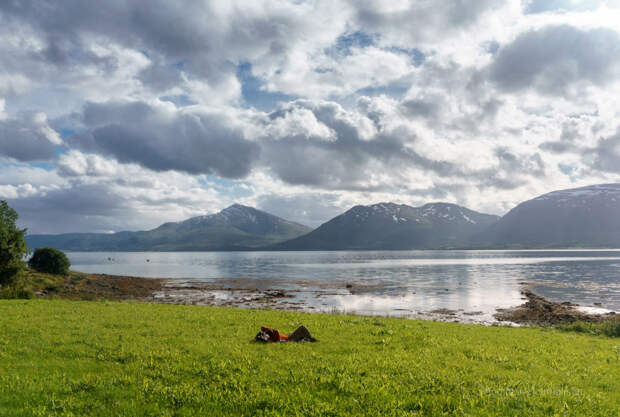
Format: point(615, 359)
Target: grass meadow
point(96, 358)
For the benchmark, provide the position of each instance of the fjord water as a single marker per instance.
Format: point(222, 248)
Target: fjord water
point(387, 282)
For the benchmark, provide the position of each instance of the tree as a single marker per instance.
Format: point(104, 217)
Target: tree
point(12, 244)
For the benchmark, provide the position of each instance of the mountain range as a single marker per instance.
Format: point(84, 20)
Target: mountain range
point(580, 217)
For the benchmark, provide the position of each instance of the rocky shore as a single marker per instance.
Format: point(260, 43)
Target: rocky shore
point(537, 310)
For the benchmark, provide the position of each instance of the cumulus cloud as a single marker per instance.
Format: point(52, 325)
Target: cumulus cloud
point(420, 22)
point(90, 193)
point(333, 148)
point(28, 138)
point(553, 60)
point(301, 108)
point(203, 40)
point(160, 137)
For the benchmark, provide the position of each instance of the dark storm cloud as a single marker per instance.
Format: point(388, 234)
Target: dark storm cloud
point(550, 60)
point(23, 140)
point(193, 142)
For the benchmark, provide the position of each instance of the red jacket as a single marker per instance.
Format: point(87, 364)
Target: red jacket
point(274, 335)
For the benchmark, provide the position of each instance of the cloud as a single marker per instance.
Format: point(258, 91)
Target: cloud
point(203, 40)
point(301, 108)
point(420, 21)
point(90, 193)
point(542, 6)
point(28, 138)
point(311, 209)
point(606, 155)
point(323, 145)
point(555, 59)
point(161, 137)
point(568, 141)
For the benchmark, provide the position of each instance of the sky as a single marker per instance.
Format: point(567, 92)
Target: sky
point(122, 115)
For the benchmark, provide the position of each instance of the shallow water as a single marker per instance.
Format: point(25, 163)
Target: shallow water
point(411, 283)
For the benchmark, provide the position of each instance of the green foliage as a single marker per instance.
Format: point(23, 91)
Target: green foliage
point(610, 328)
point(129, 359)
point(50, 260)
point(16, 292)
point(12, 245)
point(9, 274)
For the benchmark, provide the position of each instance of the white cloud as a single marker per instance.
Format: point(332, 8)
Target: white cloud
point(482, 103)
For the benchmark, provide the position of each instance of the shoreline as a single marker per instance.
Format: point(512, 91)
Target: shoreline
point(538, 310)
point(264, 294)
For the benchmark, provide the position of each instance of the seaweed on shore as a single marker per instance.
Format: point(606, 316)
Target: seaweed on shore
point(540, 311)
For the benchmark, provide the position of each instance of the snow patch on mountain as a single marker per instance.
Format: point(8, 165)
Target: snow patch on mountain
point(444, 212)
point(603, 190)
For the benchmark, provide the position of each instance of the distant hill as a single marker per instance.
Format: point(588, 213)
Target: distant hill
point(234, 228)
point(394, 226)
point(579, 217)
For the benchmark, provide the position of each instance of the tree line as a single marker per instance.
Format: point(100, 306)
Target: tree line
point(13, 252)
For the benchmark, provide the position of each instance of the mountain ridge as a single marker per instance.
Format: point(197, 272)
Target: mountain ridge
point(577, 217)
point(394, 226)
point(236, 227)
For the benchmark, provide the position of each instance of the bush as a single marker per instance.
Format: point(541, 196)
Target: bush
point(50, 260)
point(16, 292)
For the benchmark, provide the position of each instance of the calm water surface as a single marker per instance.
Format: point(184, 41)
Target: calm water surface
point(388, 282)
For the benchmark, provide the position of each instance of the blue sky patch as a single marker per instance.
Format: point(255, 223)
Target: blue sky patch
point(254, 94)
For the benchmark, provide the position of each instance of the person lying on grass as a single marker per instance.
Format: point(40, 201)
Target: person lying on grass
point(267, 334)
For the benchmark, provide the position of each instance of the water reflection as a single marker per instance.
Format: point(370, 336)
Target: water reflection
point(387, 282)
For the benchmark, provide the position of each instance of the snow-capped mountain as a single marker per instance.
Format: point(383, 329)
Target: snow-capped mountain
point(395, 226)
point(234, 228)
point(586, 217)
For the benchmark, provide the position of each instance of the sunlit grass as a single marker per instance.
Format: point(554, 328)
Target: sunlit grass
point(61, 357)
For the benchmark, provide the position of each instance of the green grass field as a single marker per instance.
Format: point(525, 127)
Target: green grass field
point(60, 357)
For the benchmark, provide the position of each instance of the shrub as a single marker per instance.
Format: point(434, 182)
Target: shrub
point(50, 260)
point(17, 290)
